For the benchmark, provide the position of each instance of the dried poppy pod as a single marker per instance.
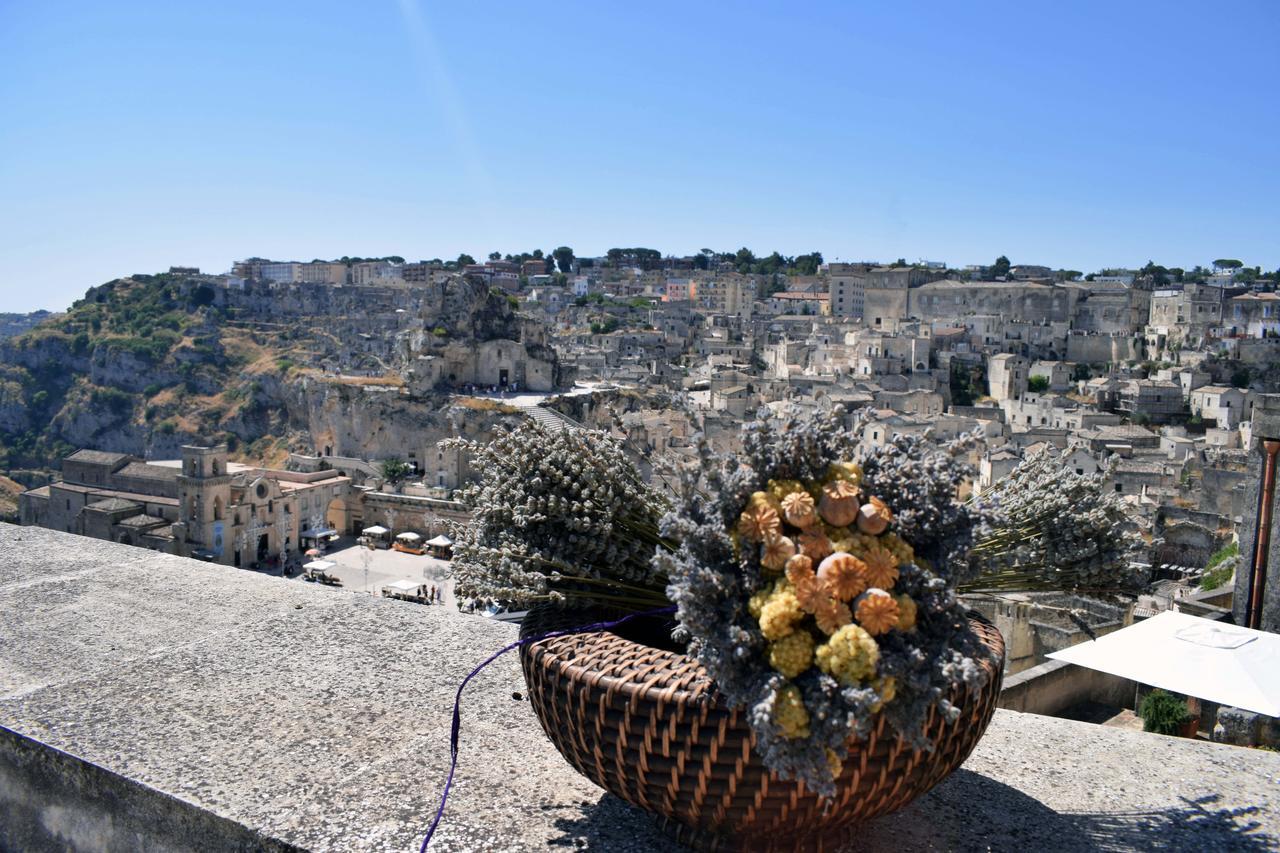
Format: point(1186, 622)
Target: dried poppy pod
point(814, 544)
point(877, 612)
point(882, 567)
point(844, 575)
point(799, 568)
point(799, 509)
point(874, 517)
point(759, 522)
point(777, 550)
point(839, 504)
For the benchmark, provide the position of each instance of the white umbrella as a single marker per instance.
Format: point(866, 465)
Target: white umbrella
point(319, 565)
point(376, 530)
point(409, 537)
point(440, 541)
point(1192, 656)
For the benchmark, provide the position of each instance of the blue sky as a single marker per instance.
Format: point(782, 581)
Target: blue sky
point(134, 135)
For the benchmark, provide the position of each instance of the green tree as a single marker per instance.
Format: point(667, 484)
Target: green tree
point(394, 470)
point(745, 259)
point(495, 256)
point(1228, 264)
point(1163, 713)
point(564, 258)
point(1038, 384)
point(465, 260)
point(1240, 378)
point(807, 264)
point(1001, 267)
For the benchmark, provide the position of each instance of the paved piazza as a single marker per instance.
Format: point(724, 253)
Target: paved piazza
point(385, 567)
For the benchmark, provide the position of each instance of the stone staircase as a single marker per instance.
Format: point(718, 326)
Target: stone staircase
point(551, 419)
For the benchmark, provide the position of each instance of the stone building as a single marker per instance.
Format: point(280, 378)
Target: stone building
point(201, 505)
point(1253, 315)
point(1007, 376)
point(1013, 300)
point(500, 363)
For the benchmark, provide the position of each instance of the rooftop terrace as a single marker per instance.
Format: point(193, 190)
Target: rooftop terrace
point(151, 699)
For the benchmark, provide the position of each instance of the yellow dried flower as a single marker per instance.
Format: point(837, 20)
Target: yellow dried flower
point(874, 517)
point(799, 509)
point(790, 714)
point(793, 654)
point(839, 503)
point(777, 550)
point(850, 472)
point(831, 615)
point(834, 763)
point(780, 614)
point(814, 544)
point(887, 687)
point(843, 575)
point(757, 600)
point(882, 567)
point(877, 612)
point(850, 655)
point(780, 489)
point(899, 548)
point(758, 522)
point(906, 612)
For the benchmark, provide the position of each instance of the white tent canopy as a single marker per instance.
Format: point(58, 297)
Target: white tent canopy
point(319, 565)
point(440, 541)
point(376, 530)
point(404, 585)
point(409, 537)
point(1193, 656)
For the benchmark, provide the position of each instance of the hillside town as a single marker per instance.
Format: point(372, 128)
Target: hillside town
point(1147, 376)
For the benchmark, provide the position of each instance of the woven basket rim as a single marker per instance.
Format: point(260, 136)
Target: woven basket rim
point(698, 686)
point(681, 665)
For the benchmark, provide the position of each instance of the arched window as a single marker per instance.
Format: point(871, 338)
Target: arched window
point(217, 508)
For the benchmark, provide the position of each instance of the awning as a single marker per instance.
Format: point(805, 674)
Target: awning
point(319, 565)
point(317, 534)
point(1192, 656)
point(440, 541)
point(409, 537)
point(405, 586)
point(376, 530)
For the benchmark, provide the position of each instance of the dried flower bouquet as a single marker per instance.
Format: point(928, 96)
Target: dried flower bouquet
point(816, 585)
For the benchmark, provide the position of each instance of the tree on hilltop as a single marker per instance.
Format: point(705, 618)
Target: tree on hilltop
point(1000, 269)
point(564, 258)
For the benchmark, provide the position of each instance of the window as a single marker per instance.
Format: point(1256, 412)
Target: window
point(1080, 471)
point(1119, 487)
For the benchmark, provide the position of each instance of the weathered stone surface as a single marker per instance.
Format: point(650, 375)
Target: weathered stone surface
point(296, 715)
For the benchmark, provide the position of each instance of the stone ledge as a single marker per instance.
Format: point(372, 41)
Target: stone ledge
point(173, 697)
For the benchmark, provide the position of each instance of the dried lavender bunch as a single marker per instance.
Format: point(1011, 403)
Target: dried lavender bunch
point(1058, 530)
point(804, 724)
point(920, 479)
point(559, 516)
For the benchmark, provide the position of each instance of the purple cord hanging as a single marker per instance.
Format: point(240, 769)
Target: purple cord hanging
point(457, 701)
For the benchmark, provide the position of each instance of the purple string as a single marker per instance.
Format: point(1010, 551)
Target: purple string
point(457, 701)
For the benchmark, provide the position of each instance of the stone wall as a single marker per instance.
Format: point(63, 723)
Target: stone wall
point(1055, 685)
point(53, 801)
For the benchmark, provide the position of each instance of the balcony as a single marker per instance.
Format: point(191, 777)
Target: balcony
point(151, 699)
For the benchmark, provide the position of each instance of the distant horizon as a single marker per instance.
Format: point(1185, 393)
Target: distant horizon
point(1077, 136)
point(482, 257)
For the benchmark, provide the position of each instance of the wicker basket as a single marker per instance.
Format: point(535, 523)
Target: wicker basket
point(648, 725)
